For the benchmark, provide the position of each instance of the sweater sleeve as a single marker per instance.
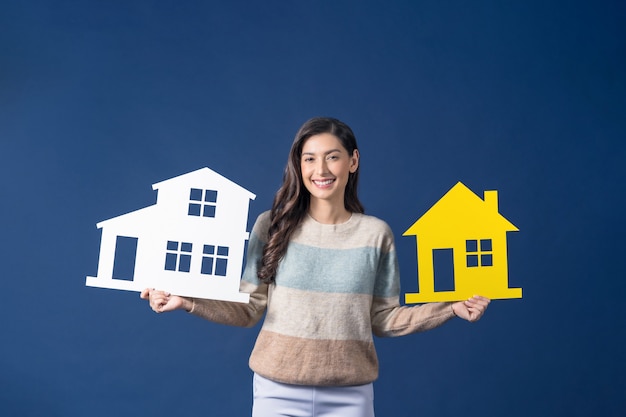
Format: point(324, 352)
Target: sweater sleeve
point(232, 313)
point(389, 318)
point(241, 314)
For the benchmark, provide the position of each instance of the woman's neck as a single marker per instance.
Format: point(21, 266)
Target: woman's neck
point(327, 213)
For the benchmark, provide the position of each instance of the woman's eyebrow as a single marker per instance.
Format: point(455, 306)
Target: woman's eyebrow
point(325, 153)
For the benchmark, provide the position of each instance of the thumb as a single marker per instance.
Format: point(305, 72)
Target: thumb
point(145, 294)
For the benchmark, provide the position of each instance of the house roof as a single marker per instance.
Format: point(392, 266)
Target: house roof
point(203, 174)
point(137, 218)
point(132, 220)
point(461, 210)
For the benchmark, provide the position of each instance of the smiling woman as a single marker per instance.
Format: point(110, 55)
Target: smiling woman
point(326, 167)
point(326, 277)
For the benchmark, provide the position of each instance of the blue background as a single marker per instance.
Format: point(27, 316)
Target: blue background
point(101, 99)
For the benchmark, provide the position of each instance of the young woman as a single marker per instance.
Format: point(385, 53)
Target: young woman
point(326, 277)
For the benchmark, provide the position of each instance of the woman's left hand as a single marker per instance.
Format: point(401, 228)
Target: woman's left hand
point(471, 310)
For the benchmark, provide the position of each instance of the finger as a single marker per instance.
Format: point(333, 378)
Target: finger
point(159, 307)
point(478, 301)
point(154, 294)
point(476, 307)
point(145, 294)
point(158, 293)
point(476, 310)
point(159, 301)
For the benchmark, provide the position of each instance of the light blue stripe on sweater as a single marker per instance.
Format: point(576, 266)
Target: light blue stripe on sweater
point(302, 263)
point(255, 252)
point(351, 271)
point(388, 284)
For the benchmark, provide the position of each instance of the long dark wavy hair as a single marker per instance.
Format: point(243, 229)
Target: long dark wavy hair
point(291, 201)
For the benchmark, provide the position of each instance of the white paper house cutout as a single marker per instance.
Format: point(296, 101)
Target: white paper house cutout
point(190, 243)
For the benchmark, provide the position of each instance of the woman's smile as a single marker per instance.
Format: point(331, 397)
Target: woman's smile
point(323, 183)
point(325, 166)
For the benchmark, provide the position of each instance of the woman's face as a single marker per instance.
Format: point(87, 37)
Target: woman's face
point(325, 165)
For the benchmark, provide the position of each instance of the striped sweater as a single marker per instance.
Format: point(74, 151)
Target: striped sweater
point(336, 285)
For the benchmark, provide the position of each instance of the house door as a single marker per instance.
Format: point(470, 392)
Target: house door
point(443, 269)
point(125, 254)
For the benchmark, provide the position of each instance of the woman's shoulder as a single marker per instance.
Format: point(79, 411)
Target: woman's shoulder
point(373, 224)
point(370, 220)
point(264, 217)
point(262, 224)
point(371, 231)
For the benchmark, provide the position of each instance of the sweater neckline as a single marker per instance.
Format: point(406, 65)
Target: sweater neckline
point(332, 226)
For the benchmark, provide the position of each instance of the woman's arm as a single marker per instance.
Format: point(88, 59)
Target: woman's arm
point(390, 319)
point(232, 313)
point(224, 312)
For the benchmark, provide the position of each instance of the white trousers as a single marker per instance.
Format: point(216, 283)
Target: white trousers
point(273, 399)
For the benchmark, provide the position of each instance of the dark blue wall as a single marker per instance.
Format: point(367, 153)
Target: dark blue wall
point(101, 99)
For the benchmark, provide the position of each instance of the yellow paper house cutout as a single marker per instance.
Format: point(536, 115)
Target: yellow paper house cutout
point(474, 233)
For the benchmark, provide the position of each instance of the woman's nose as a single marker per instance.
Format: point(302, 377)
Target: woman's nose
point(321, 167)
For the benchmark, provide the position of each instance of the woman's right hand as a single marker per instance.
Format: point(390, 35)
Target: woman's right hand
point(161, 301)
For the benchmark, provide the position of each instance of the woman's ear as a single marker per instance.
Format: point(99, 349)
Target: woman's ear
point(354, 161)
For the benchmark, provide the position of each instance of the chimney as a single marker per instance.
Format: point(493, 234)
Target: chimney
point(491, 200)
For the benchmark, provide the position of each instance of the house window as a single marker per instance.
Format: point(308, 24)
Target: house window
point(479, 253)
point(214, 262)
point(178, 256)
point(202, 202)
